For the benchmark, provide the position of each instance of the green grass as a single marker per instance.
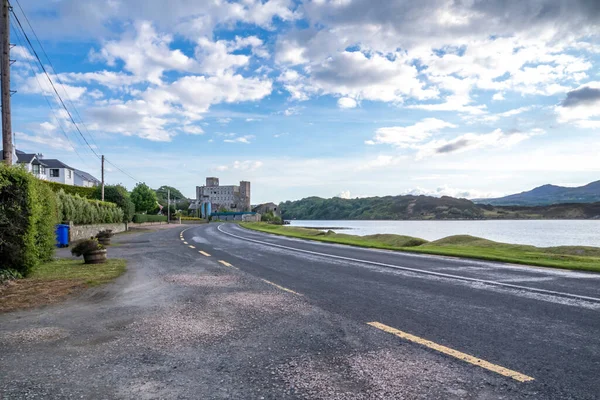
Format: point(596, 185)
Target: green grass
point(567, 257)
point(90, 274)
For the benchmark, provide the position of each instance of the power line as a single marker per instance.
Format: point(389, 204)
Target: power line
point(56, 74)
point(52, 84)
point(56, 91)
point(29, 63)
point(123, 172)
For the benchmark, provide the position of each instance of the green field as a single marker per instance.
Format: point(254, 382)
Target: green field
point(567, 257)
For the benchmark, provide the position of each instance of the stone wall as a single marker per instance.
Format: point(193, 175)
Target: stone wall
point(78, 232)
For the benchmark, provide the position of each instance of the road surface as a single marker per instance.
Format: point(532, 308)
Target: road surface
point(220, 312)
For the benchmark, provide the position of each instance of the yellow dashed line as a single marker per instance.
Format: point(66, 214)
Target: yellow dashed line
point(204, 253)
point(454, 353)
point(185, 242)
point(192, 247)
point(182, 238)
point(281, 287)
point(225, 263)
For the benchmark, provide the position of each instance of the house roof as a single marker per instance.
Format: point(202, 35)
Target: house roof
point(25, 158)
point(86, 176)
point(53, 163)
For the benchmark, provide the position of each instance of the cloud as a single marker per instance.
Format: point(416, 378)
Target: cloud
point(583, 96)
point(407, 136)
point(346, 102)
point(45, 139)
point(472, 141)
point(344, 195)
point(580, 106)
point(39, 84)
point(240, 139)
point(446, 190)
point(246, 165)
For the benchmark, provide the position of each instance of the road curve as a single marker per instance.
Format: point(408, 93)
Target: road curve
point(539, 323)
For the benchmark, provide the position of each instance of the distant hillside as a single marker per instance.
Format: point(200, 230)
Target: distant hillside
point(388, 207)
point(426, 208)
point(549, 194)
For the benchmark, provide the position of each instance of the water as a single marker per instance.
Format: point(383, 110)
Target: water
point(541, 233)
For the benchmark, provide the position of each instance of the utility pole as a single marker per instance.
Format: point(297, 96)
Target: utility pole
point(102, 177)
point(7, 141)
point(168, 206)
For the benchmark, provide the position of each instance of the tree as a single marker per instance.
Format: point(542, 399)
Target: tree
point(119, 195)
point(143, 198)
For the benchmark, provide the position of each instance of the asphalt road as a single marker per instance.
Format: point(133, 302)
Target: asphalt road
point(540, 322)
point(218, 312)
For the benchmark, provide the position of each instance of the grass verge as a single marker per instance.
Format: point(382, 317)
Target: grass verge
point(53, 281)
point(566, 257)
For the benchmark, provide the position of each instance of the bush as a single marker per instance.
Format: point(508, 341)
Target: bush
point(82, 211)
point(191, 219)
point(85, 192)
point(141, 218)
point(107, 233)
point(120, 196)
point(271, 218)
point(86, 246)
point(27, 219)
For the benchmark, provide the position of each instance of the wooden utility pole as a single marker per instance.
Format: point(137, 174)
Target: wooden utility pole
point(7, 141)
point(168, 206)
point(102, 177)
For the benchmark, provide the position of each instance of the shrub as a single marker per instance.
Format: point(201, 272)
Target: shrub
point(46, 224)
point(27, 219)
point(82, 211)
point(105, 234)
point(85, 192)
point(140, 218)
point(120, 196)
point(86, 246)
point(191, 219)
point(144, 198)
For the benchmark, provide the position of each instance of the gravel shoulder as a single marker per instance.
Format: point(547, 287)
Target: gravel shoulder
point(180, 325)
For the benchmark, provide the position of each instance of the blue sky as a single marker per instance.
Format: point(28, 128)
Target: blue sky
point(324, 97)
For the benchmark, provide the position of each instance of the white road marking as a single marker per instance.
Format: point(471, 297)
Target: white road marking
point(422, 271)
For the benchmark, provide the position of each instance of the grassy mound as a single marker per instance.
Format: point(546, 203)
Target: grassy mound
point(568, 257)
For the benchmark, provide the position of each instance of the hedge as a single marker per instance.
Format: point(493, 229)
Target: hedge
point(192, 219)
point(140, 218)
point(82, 211)
point(86, 192)
point(119, 195)
point(27, 218)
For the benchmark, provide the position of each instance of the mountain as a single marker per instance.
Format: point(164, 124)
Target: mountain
point(381, 208)
point(549, 194)
point(411, 207)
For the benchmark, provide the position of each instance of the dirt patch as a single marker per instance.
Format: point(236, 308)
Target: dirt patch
point(203, 280)
point(34, 335)
point(384, 374)
point(27, 293)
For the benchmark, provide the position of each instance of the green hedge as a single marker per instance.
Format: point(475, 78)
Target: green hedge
point(86, 192)
point(191, 219)
point(82, 211)
point(27, 218)
point(117, 194)
point(140, 218)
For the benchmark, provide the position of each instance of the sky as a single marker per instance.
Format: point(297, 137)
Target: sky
point(349, 98)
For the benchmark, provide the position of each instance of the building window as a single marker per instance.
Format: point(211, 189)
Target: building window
point(36, 169)
point(69, 174)
point(54, 173)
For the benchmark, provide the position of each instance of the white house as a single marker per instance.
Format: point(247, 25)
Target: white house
point(32, 163)
point(59, 172)
point(82, 178)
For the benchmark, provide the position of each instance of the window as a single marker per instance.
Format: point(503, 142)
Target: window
point(36, 169)
point(54, 173)
point(69, 173)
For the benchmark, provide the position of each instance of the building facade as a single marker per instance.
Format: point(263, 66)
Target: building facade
point(54, 170)
point(229, 197)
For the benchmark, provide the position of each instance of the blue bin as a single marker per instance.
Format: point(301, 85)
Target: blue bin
point(62, 235)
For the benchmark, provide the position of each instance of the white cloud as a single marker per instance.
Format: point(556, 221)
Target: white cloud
point(39, 84)
point(246, 165)
point(52, 141)
point(498, 96)
point(346, 102)
point(446, 190)
point(581, 106)
point(146, 54)
point(240, 139)
point(407, 136)
point(472, 141)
